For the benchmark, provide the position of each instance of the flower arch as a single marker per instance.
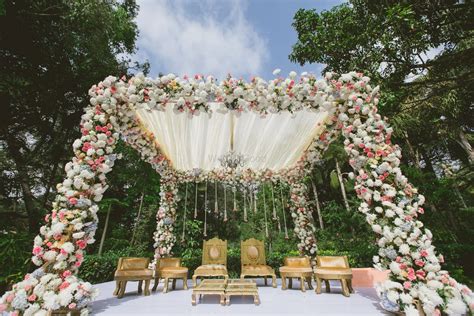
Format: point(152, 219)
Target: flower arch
point(390, 203)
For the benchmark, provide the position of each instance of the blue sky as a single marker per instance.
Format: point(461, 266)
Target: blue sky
point(246, 38)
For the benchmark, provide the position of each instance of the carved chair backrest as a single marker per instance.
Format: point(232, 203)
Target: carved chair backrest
point(168, 262)
point(214, 251)
point(129, 263)
point(332, 261)
point(297, 262)
point(252, 252)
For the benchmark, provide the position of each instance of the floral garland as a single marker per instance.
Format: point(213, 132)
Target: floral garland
point(390, 203)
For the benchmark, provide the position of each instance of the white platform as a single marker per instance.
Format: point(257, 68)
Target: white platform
point(274, 301)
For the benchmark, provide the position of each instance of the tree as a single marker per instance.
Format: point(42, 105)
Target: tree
point(50, 55)
point(393, 43)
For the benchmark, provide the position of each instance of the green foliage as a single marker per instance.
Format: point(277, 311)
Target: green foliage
point(98, 269)
point(14, 257)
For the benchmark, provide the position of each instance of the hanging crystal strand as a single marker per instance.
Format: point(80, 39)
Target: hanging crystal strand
point(216, 204)
point(185, 211)
point(283, 210)
point(255, 202)
point(225, 203)
point(196, 200)
point(273, 204)
point(235, 200)
point(265, 211)
point(245, 206)
point(205, 211)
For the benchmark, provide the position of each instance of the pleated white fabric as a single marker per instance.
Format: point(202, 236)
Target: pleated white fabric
point(275, 141)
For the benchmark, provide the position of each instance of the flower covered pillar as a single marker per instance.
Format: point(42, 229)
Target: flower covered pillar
point(165, 217)
point(59, 249)
point(302, 217)
point(392, 207)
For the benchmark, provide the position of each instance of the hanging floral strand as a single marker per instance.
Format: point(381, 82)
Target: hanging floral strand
point(185, 211)
point(225, 203)
point(283, 210)
point(245, 206)
point(205, 211)
point(273, 203)
point(216, 203)
point(265, 211)
point(195, 200)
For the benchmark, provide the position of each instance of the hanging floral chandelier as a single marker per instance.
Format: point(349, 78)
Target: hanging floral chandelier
point(232, 160)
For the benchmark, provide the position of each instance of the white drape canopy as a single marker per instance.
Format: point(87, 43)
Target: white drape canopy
point(274, 142)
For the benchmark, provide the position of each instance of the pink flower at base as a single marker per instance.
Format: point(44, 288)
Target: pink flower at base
point(407, 285)
point(37, 250)
point(81, 243)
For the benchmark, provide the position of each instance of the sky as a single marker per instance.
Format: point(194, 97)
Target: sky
point(215, 37)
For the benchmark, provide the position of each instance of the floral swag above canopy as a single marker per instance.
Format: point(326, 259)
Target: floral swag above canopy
point(390, 203)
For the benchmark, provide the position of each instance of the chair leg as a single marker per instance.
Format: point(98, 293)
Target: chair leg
point(318, 285)
point(290, 283)
point(345, 290)
point(283, 282)
point(155, 286)
point(265, 280)
point(349, 285)
point(123, 285)
point(328, 286)
point(117, 288)
point(302, 285)
point(193, 299)
point(185, 283)
point(274, 281)
point(194, 280)
point(174, 284)
point(140, 287)
point(310, 283)
point(165, 289)
point(147, 287)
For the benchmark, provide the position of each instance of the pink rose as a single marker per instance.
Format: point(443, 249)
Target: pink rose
point(421, 274)
point(424, 253)
point(10, 297)
point(411, 274)
point(72, 305)
point(37, 250)
point(67, 273)
point(406, 285)
point(3, 308)
point(64, 285)
point(419, 262)
point(32, 298)
point(81, 243)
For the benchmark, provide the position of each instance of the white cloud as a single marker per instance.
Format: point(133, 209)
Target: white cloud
point(207, 37)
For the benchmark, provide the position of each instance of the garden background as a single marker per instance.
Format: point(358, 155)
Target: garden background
point(51, 52)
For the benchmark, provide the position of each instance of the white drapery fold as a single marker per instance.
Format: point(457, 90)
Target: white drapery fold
point(274, 142)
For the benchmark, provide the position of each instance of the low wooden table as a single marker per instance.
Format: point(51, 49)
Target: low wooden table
point(209, 287)
point(242, 287)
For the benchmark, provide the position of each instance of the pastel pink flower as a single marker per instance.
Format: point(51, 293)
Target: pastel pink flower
point(81, 243)
point(37, 250)
point(32, 298)
point(64, 285)
point(73, 200)
point(3, 307)
point(419, 262)
point(406, 285)
point(67, 273)
point(72, 305)
point(411, 274)
point(424, 253)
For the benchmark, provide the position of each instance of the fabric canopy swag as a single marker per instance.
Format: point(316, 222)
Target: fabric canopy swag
point(181, 126)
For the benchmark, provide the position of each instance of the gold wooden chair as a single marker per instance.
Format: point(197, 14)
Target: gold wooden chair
point(296, 267)
point(132, 269)
point(214, 260)
point(252, 258)
point(333, 268)
point(170, 268)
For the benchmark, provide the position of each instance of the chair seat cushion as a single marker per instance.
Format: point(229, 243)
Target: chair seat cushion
point(335, 271)
point(137, 274)
point(173, 270)
point(214, 267)
point(287, 269)
point(258, 269)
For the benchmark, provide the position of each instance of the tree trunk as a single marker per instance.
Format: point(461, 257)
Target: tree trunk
point(102, 239)
point(343, 188)
point(138, 219)
point(318, 207)
point(414, 156)
point(464, 143)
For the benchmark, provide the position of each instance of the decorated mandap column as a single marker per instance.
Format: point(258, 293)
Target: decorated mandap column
point(392, 207)
point(165, 217)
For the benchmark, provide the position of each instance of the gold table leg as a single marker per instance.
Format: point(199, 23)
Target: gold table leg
point(283, 282)
point(117, 288)
point(155, 286)
point(165, 288)
point(222, 299)
point(274, 281)
point(328, 286)
point(256, 299)
point(345, 290)
point(123, 285)
point(185, 283)
point(302, 285)
point(193, 299)
point(318, 285)
point(310, 283)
